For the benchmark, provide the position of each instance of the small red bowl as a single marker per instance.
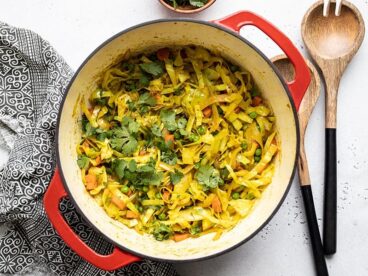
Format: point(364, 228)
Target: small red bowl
point(187, 9)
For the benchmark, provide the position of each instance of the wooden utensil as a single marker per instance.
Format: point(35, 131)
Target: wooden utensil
point(326, 7)
point(305, 110)
point(332, 42)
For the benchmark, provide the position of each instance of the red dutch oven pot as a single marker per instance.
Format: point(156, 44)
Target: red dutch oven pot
point(220, 35)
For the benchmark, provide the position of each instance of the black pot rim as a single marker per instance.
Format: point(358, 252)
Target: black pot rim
point(286, 89)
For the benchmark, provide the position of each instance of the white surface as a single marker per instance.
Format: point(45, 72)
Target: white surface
point(75, 28)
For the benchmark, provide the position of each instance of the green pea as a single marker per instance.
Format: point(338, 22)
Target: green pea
point(253, 115)
point(257, 158)
point(250, 196)
point(201, 130)
point(125, 189)
point(145, 189)
point(140, 209)
point(193, 137)
point(162, 216)
point(244, 145)
point(235, 195)
point(158, 195)
point(258, 152)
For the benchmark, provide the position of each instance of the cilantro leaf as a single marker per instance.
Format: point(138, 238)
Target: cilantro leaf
point(132, 125)
point(131, 106)
point(155, 179)
point(132, 166)
point(83, 161)
point(89, 129)
point(169, 157)
point(155, 129)
point(209, 177)
point(119, 167)
point(176, 176)
point(137, 176)
point(123, 139)
point(162, 232)
point(144, 80)
point(168, 118)
point(154, 68)
point(197, 3)
point(147, 99)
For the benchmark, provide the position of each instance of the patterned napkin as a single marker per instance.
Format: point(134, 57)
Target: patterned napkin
point(33, 78)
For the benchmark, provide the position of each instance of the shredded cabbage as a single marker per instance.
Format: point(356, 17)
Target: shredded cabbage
point(177, 142)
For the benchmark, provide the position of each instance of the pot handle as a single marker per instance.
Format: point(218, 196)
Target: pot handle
point(51, 200)
point(301, 82)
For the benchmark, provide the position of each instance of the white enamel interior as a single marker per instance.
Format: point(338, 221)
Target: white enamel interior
point(153, 36)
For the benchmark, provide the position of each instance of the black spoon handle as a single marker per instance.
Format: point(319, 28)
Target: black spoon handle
point(329, 218)
point(319, 257)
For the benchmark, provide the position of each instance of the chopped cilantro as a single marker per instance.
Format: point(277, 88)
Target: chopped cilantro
point(168, 118)
point(195, 230)
point(198, 3)
point(147, 99)
point(162, 232)
point(83, 162)
point(169, 157)
point(131, 106)
point(155, 129)
point(176, 176)
point(144, 80)
point(123, 138)
point(154, 68)
point(137, 176)
point(209, 177)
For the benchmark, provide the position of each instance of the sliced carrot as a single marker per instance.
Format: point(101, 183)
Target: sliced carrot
point(256, 101)
point(181, 237)
point(118, 202)
point(169, 137)
point(157, 97)
point(142, 152)
point(91, 181)
point(216, 204)
point(166, 195)
point(131, 215)
point(85, 144)
point(163, 54)
point(207, 112)
point(129, 192)
point(98, 160)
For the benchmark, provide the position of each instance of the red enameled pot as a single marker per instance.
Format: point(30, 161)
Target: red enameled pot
point(220, 35)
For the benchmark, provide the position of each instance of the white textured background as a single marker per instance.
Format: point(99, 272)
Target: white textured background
point(77, 27)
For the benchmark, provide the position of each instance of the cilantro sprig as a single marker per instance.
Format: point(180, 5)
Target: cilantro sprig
point(124, 138)
point(208, 177)
point(176, 176)
point(138, 176)
point(156, 69)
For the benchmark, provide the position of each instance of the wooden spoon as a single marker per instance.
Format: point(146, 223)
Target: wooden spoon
point(305, 110)
point(332, 42)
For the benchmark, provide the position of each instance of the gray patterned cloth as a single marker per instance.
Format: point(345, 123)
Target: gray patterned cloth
point(33, 78)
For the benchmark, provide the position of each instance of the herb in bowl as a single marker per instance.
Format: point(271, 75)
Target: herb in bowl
point(187, 6)
point(194, 3)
